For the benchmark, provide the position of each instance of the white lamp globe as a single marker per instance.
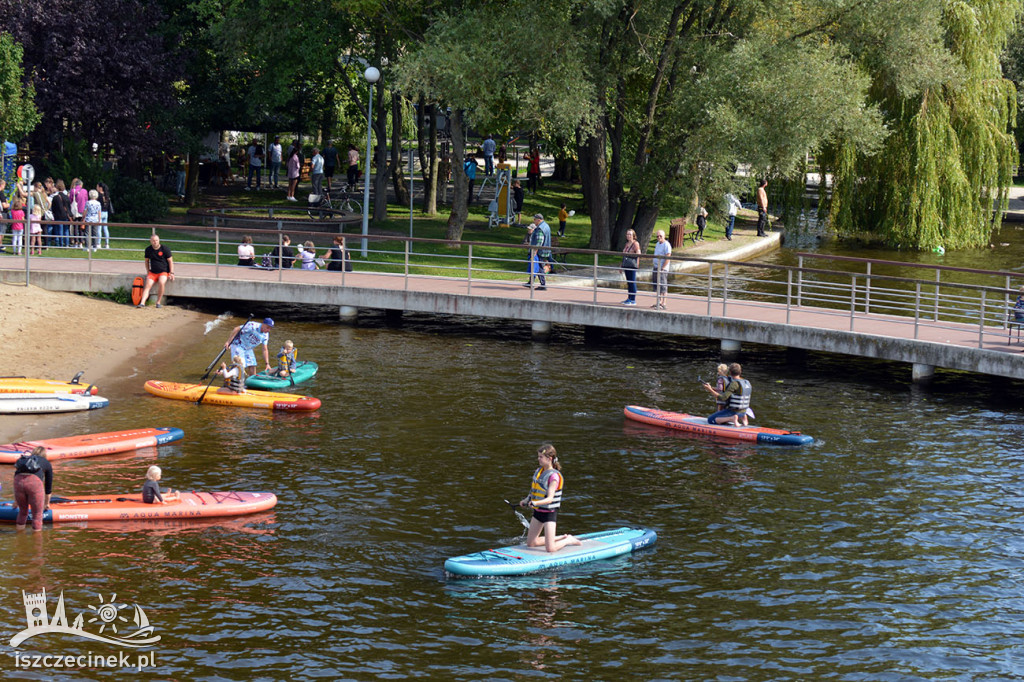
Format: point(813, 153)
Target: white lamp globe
point(372, 75)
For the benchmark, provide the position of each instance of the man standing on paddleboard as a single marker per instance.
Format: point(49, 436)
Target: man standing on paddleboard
point(245, 337)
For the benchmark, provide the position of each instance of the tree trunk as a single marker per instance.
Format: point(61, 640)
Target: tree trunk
point(397, 165)
point(380, 180)
point(427, 150)
point(436, 179)
point(192, 188)
point(593, 172)
point(645, 216)
point(460, 207)
point(329, 116)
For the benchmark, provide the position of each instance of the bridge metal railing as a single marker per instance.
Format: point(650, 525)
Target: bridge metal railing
point(856, 289)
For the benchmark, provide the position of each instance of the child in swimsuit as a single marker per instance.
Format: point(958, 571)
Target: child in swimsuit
point(151, 489)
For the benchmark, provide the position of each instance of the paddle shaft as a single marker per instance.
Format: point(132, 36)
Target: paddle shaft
point(214, 377)
point(223, 350)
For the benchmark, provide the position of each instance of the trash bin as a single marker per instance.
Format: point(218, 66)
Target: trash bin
point(676, 232)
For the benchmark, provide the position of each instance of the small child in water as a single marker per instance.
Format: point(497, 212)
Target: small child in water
point(151, 489)
point(286, 359)
point(234, 377)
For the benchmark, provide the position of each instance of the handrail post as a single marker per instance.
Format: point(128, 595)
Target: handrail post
point(1006, 304)
point(711, 284)
point(938, 283)
point(853, 299)
point(867, 291)
point(917, 307)
point(407, 245)
point(216, 253)
point(789, 293)
point(595, 278)
point(280, 255)
point(799, 281)
point(88, 245)
point(725, 289)
point(469, 268)
point(981, 322)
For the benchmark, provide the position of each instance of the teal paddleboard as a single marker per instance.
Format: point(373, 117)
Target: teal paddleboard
point(520, 559)
point(304, 371)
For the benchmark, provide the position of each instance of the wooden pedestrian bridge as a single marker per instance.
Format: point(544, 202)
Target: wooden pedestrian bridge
point(927, 316)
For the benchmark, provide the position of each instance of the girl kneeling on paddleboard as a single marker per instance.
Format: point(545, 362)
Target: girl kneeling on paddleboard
point(545, 498)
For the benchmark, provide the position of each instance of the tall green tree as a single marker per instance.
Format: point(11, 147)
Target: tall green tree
point(950, 157)
point(18, 114)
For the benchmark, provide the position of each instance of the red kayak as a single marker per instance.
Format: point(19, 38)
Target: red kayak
point(92, 444)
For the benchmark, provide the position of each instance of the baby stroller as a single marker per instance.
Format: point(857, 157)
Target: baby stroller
point(319, 206)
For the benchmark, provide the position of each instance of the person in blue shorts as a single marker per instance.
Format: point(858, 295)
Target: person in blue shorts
point(545, 498)
point(246, 337)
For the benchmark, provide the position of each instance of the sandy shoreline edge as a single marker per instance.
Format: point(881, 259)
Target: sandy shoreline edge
point(52, 335)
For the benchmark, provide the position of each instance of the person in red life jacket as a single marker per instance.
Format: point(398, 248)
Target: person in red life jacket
point(545, 498)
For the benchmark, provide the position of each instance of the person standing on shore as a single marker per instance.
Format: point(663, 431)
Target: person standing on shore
point(294, 165)
point(245, 337)
point(316, 171)
point(488, 148)
point(159, 268)
point(734, 205)
point(353, 168)
point(330, 162)
point(275, 155)
point(762, 209)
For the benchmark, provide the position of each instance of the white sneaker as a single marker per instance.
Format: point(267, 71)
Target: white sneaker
point(292, 199)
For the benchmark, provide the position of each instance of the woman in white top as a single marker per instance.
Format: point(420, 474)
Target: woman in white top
point(246, 252)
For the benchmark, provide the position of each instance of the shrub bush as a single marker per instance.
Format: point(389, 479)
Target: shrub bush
point(137, 202)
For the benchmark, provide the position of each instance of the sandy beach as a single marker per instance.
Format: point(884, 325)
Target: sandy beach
point(53, 335)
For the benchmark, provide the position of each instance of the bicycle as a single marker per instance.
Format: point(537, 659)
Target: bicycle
point(324, 209)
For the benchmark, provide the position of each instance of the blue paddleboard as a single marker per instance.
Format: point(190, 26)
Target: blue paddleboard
point(520, 559)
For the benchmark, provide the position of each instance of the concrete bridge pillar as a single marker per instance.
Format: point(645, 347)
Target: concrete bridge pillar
point(730, 347)
point(922, 374)
point(541, 330)
point(347, 313)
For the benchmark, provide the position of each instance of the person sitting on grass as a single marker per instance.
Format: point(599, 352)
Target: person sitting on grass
point(151, 488)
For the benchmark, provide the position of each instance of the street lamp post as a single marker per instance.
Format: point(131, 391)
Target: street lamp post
point(372, 75)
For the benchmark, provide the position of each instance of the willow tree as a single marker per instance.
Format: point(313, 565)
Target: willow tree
point(941, 177)
point(18, 115)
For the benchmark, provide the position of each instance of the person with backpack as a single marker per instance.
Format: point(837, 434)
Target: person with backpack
point(33, 484)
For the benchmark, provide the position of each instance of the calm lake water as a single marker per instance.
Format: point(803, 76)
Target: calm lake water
point(891, 549)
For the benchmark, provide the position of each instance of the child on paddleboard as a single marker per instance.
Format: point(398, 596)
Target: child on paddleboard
point(545, 498)
point(286, 359)
point(151, 488)
point(234, 377)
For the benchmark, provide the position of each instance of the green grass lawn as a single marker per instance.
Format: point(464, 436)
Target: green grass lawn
point(426, 258)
